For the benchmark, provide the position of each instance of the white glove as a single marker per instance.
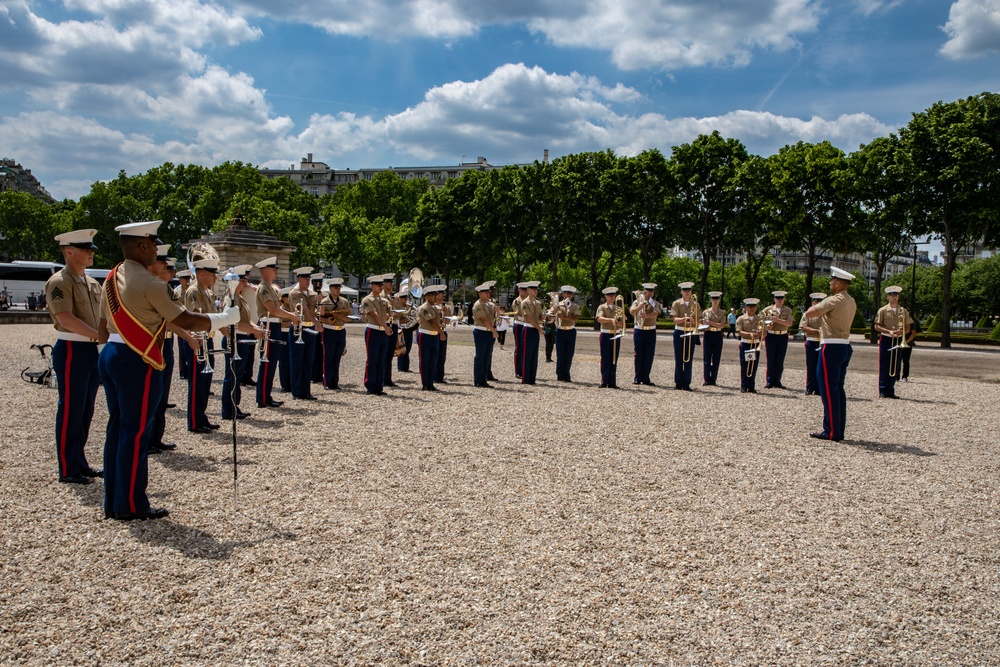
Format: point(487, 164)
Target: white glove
point(227, 318)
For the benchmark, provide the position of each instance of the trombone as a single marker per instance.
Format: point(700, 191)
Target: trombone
point(297, 328)
point(202, 355)
point(620, 325)
point(897, 343)
point(690, 331)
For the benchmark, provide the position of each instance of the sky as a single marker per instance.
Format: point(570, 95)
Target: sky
point(92, 87)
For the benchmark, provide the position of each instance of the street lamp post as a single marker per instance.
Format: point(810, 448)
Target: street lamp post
point(913, 278)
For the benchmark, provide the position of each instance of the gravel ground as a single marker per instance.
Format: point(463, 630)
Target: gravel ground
point(634, 527)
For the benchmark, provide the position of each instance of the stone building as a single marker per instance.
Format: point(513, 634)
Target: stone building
point(15, 178)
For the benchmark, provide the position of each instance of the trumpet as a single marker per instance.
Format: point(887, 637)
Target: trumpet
point(202, 355)
point(690, 331)
point(297, 327)
point(897, 343)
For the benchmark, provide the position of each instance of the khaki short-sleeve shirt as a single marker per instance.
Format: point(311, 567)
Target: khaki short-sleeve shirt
point(837, 314)
point(66, 292)
point(715, 318)
point(149, 299)
point(483, 314)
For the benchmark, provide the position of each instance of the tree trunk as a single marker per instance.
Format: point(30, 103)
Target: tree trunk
point(810, 268)
point(880, 262)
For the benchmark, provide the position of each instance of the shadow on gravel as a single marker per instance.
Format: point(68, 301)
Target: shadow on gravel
point(927, 400)
point(91, 495)
point(196, 543)
point(182, 462)
point(887, 448)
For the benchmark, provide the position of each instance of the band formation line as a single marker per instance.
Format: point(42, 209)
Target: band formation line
point(122, 335)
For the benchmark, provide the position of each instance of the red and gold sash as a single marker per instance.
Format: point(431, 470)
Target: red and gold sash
point(145, 343)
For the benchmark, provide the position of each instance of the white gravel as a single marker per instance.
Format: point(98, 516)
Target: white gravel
point(555, 524)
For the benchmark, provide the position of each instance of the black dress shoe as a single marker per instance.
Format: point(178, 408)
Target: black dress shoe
point(167, 446)
point(200, 429)
point(780, 386)
point(820, 436)
point(90, 472)
point(390, 384)
point(251, 383)
point(171, 405)
point(492, 379)
point(275, 404)
point(431, 388)
point(768, 386)
point(485, 385)
point(140, 516)
point(213, 426)
point(649, 384)
point(242, 415)
point(75, 479)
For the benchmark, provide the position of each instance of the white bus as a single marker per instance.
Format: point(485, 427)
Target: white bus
point(20, 278)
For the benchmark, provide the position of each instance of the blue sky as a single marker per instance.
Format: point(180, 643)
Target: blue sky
point(91, 87)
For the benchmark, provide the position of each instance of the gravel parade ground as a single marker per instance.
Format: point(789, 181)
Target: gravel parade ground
point(552, 524)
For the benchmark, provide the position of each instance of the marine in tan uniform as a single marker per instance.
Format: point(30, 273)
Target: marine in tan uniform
point(484, 335)
point(714, 319)
point(750, 329)
point(685, 314)
point(836, 314)
point(893, 322)
point(270, 309)
point(610, 338)
point(242, 339)
point(809, 326)
point(334, 313)
point(74, 303)
point(517, 325)
point(376, 317)
point(430, 332)
point(199, 298)
point(135, 306)
point(302, 348)
point(183, 346)
point(567, 313)
point(777, 318)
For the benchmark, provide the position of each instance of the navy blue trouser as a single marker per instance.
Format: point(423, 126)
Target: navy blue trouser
point(831, 371)
point(812, 358)
point(682, 369)
point(160, 414)
point(428, 347)
point(565, 349)
point(266, 371)
point(529, 354)
point(285, 361)
point(644, 346)
point(316, 370)
point(441, 358)
point(301, 361)
point(776, 346)
point(248, 374)
point(375, 341)
point(232, 391)
point(75, 366)
point(888, 373)
point(334, 344)
point(609, 360)
point(748, 382)
point(403, 360)
point(483, 361)
point(713, 355)
point(518, 350)
point(132, 389)
point(390, 352)
point(199, 384)
point(183, 358)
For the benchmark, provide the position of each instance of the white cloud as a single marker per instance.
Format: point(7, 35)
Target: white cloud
point(667, 34)
point(973, 29)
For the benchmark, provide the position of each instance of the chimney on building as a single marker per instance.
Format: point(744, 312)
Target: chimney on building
point(309, 157)
point(545, 156)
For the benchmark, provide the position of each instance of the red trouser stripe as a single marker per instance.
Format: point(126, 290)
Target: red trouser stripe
point(65, 411)
point(826, 395)
point(138, 439)
point(193, 380)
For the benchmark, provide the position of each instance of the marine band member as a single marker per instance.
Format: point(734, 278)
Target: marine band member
point(683, 313)
point(334, 313)
point(779, 317)
point(836, 313)
point(134, 309)
point(430, 332)
point(302, 299)
point(516, 325)
point(810, 327)
point(484, 335)
point(644, 311)
point(183, 347)
point(375, 314)
point(610, 347)
point(74, 302)
point(200, 299)
point(242, 339)
point(567, 315)
point(715, 318)
point(749, 329)
point(893, 322)
point(531, 333)
point(275, 344)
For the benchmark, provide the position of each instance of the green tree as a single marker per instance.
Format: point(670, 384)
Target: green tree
point(953, 152)
point(812, 205)
point(27, 227)
point(704, 172)
point(650, 196)
point(753, 230)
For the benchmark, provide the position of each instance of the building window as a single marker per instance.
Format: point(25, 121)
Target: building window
point(435, 175)
point(314, 192)
point(452, 174)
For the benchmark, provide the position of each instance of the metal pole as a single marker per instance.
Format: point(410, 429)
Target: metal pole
point(913, 284)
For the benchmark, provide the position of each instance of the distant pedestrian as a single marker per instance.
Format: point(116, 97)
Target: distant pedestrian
point(731, 318)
